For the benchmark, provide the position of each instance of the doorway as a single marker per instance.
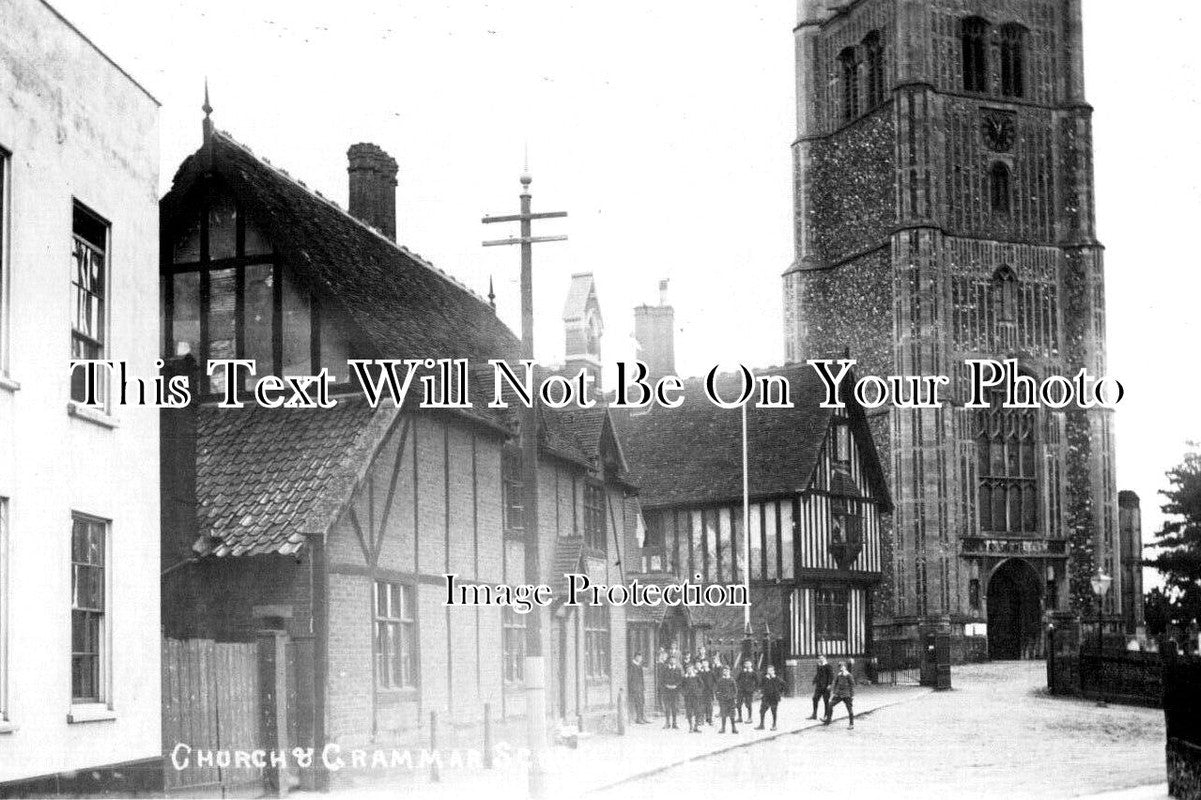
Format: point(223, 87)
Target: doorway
point(1014, 612)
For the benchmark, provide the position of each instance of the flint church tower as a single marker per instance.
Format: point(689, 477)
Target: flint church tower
point(944, 211)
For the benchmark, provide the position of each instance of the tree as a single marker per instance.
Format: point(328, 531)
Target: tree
point(1178, 543)
point(1157, 611)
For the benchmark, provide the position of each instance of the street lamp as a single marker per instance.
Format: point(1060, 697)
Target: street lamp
point(1100, 583)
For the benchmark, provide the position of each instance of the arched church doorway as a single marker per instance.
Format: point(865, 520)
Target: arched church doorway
point(1014, 611)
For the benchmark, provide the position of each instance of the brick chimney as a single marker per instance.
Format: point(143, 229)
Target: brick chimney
point(654, 330)
point(373, 187)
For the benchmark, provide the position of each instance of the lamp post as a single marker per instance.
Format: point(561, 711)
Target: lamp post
point(1100, 583)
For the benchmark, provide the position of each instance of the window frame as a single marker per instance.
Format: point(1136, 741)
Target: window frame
point(1000, 189)
point(84, 708)
point(873, 49)
point(1013, 60)
point(386, 666)
point(999, 430)
point(832, 614)
point(104, 326)
point(512, 492)
point(513, 638)
point(594, 505)
point(598, 643)
point(973, 37)
point(5, 594)
point(5, 205)
point(324, 317)
point(848, 70)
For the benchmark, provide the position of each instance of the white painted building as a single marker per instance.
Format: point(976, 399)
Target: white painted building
point(79, 486)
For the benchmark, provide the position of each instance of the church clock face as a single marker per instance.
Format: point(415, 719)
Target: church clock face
point(998, 130)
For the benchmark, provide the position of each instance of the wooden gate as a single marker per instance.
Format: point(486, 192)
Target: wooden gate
point(210, 713)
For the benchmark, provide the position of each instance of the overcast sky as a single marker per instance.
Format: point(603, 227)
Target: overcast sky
point(664, 130)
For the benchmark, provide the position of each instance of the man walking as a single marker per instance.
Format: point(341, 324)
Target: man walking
point(823, 676)
point(637, 689)
point(748, 682)
point(772, 688)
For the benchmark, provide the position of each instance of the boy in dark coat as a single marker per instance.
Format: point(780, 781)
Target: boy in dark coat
point(637, 687)
point(727, 695)
point(673, 679)
point(748, 682)
point(843, 691)
point(772, 688)
point(823, 676)
point(708, 679)
point(692, 699)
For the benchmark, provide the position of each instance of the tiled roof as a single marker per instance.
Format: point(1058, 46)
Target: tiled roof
point(693, 454)
point(266, 479)
point(406, 307)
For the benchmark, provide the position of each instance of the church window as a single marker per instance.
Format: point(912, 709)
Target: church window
point(512, 491)
point(999, 191)
point(1005, 294)
point(1013, 58)
point(974, 39)
point(848, 61)
point(594, 516)
point(831, 614)
point(1006, 467)
point(596, 642)
point(514, 645)
point(395, 636)
point(873, 48)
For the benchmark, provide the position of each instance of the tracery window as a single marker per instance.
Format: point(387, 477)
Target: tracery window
point(848, 60)
point(1007, 468)
point(1013, 60)
point(974, 40)
point(873, 49)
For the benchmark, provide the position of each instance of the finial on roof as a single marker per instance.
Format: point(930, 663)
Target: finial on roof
point(491, 294)
point(525, 172)
point(207, 125)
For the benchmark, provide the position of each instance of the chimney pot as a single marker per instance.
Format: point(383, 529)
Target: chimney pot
point(372, 187)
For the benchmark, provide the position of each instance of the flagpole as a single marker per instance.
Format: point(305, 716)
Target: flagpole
point(746, 528)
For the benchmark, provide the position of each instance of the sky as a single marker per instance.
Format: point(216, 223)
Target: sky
point(663, 130)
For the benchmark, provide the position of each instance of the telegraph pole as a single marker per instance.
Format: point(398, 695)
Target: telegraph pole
point(535, 662)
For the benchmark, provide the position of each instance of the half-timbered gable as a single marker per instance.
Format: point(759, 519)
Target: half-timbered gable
point(816, 491)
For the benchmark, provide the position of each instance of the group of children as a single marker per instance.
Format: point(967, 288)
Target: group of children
point(700, 680)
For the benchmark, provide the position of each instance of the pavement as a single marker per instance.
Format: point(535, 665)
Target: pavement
point(997, 734)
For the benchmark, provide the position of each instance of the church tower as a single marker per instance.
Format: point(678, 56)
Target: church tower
point(944, 211)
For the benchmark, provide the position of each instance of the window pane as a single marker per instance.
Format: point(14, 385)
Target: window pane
point(297, 330)
point(335, 346)
point(770, 534)
point(756, 544)
point(185, 316)
point(222, 227)
point(786, 540)
point(187, 245)
point(698, 547)
point(256, 242)
point(260, 316)
point(222, 316)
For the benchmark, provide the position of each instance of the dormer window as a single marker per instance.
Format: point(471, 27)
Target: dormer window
point(974, 44)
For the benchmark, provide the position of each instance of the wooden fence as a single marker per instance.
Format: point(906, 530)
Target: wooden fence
point(211, 707)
